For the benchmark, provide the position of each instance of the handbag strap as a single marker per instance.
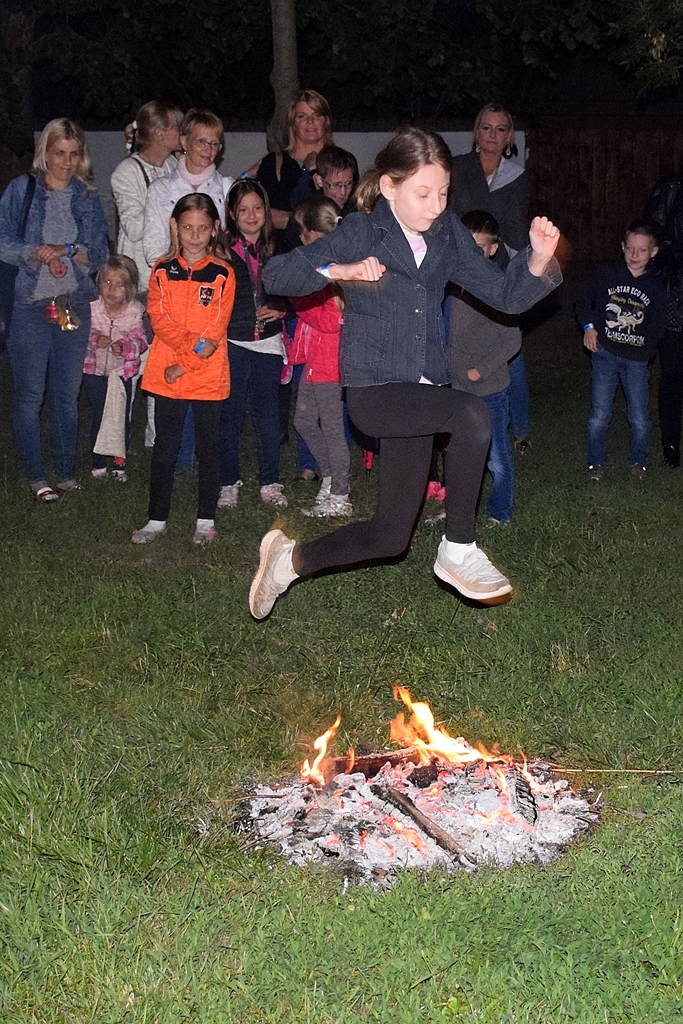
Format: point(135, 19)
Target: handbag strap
point(144, 172)
point(26, 205)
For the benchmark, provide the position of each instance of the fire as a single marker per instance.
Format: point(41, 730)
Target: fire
point(421, 733)
point(312, 773)
point(428, 740)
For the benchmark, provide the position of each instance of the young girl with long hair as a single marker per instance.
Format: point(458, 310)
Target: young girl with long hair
point(394, 260)
point(112, 359)
point(191, 293)
point(255, 347)
point(319, 415)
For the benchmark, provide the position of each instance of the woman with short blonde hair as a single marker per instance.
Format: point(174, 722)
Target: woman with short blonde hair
point(52, 228)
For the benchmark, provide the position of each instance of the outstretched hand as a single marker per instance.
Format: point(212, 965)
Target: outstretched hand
point(369, 269)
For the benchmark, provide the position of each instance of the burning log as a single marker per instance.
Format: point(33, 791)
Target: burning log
point(370, 764)
point(521, 798)
point(403, 803)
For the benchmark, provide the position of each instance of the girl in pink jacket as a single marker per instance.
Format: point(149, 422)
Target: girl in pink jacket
point(319, 416)
point(112, 359)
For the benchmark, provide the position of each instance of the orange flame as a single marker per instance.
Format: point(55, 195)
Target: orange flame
point(312, 773)
point(421, 733)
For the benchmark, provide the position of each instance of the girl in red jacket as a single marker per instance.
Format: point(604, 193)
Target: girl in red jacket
point(191, 293)
point(319, 416)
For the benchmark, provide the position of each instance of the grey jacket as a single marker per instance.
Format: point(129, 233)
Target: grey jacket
point(484, 340)
point(509, 205)
point(393, 328)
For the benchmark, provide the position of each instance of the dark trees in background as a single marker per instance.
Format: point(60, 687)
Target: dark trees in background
point(379, 63)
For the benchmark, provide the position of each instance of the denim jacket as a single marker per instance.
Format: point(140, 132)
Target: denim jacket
point(393, 328)
point(91, 233)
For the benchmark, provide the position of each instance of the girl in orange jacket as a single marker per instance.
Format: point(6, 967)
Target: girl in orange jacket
point(190, 300)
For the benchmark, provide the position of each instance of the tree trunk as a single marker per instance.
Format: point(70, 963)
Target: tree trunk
point(284, 77)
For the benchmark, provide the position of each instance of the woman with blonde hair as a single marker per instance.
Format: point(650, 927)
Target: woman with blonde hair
point(153, 138)
point(52, 228)
point(309, 123)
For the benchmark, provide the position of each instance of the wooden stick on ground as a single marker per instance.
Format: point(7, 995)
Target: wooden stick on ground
point(429, 827)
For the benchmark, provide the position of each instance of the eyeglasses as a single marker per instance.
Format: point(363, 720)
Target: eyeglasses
point(339, 186)
point(210, 143)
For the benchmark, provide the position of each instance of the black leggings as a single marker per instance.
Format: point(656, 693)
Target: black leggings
point(405, 417)
point(169, 417)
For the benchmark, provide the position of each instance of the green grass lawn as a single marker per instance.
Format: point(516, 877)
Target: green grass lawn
point(141, 701)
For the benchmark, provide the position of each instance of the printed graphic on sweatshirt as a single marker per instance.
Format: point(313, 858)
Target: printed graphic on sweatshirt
point(624, 314)
point(205, 295)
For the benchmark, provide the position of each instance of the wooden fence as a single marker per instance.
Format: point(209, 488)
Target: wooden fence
point(593, 181)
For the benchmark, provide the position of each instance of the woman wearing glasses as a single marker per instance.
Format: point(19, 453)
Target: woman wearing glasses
point(201, 140)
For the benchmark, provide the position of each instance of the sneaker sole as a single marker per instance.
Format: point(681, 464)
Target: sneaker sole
point(204, 538)
point(463, 588)
point(148, 538)
point(264, 551)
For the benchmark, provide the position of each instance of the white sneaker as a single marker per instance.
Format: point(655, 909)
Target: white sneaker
point(325, 489)
point(274, 574)
point(335, 505)
point(99, 474)
point(475, 576)
point(228, 495)
point(272, 493)
point(149, 532)
point(205, 532)
point(119, 476)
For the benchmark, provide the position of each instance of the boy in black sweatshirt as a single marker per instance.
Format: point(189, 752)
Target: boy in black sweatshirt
point(622, 314)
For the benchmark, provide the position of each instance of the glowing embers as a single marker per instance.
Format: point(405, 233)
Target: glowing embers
point(439, 802)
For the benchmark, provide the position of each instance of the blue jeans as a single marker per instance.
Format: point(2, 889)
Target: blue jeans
point(254, 384)
point(499, 463)
point(519, 397)
point(47, 361)
point(634, 374)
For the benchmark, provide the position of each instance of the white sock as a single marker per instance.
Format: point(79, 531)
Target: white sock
point(457, 552)
point(205, 525)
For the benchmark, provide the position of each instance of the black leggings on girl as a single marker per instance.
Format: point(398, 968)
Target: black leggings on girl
point(406, 417)
point(169, 417)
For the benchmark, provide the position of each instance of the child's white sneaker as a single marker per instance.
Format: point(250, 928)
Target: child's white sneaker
point(325, 489)
point(334, 505)
point(469, 570)
point(274, 574)
point(205, 531)
point(119, 475)
point(149, 532)
point(272, 494)
point(228, 496)
point(99, 474)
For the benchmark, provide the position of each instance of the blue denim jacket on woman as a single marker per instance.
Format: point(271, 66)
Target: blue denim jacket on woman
point(91, 234)
point(393, 328)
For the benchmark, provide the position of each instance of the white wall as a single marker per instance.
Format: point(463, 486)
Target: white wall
point(242, 149)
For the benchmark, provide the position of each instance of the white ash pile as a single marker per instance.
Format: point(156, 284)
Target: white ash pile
point(387, 813)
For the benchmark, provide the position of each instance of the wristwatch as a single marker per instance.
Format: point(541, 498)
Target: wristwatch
point(71, 249)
